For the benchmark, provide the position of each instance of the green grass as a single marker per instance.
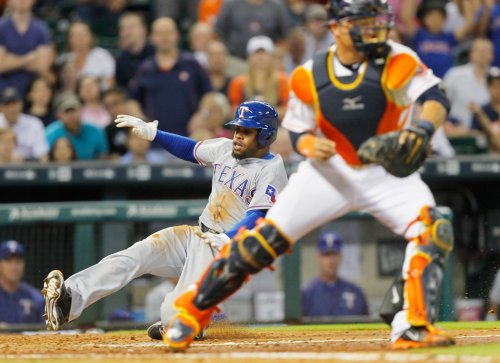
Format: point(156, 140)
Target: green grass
point(377, 326)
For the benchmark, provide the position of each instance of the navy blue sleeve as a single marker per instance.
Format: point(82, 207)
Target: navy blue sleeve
point(294, 138)
point(180, 146)
point(248, 222)
point(435, 93)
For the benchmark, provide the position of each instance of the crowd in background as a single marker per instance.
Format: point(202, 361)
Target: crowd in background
point(68, 68)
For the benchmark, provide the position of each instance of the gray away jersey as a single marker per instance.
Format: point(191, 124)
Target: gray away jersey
point(237, 185)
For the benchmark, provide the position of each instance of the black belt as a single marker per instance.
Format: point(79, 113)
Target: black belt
point(205, 229)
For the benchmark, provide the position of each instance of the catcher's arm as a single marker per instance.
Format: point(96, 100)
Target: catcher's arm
point(312, 146)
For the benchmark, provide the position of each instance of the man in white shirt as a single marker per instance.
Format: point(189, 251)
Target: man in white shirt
point(466, 84)
point(29, 130)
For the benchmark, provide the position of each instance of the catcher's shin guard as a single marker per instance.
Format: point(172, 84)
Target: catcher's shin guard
point(249, 253)
point(417, 290)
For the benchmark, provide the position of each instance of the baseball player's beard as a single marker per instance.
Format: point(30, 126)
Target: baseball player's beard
point(250, 152)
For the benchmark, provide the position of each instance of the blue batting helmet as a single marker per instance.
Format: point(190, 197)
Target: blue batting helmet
point(258, 115)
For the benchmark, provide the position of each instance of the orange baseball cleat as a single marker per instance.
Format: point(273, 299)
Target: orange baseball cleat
point(423, 337)
point(188, 323)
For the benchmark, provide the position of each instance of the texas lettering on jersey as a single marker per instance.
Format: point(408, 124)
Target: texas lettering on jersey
point(231, 178)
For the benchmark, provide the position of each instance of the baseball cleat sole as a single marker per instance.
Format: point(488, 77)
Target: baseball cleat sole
point(52, 292)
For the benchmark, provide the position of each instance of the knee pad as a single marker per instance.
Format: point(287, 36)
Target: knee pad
point(438, 232)
point(248, 254)
point(258, 248)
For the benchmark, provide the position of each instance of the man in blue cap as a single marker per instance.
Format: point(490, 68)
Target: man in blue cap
point(328, 294)
point(20, 302)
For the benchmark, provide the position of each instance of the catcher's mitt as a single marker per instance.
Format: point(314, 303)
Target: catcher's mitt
point(401, 153)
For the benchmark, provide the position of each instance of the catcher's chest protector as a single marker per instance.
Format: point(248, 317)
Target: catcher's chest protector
point(354, 105)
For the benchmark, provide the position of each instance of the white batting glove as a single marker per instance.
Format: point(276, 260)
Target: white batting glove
point(145, 130)
point(213, 240)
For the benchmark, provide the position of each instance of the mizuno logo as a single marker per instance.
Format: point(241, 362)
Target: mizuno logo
point(352, 104)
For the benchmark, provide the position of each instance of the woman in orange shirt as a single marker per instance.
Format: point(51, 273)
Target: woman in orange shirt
point(262, 81)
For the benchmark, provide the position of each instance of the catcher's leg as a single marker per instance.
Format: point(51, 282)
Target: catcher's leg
point(250, 252)
point(413, 312)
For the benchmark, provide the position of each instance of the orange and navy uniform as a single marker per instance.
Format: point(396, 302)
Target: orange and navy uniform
point(371, 101)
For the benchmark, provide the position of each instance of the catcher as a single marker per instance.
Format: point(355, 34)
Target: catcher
point(350, 115)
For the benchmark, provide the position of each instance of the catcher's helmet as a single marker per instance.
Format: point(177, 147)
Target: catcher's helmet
point(358, 9)
point(258, 115)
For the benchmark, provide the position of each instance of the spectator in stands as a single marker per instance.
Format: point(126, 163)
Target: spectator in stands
point(134, 45)
point(217, 66)
point(328, 294)
point(200, 36)
point(208, 10)
point(139, 151)
point(432, 43)
point(21, 303)
point(261, 82)
point(208, 122)
point(171, 83)
point(89, 10)
point(489, 25)
point(241, 20)
point(296, 50)
point(93, 111)
point(8, 147)
point(318, 35)
point(487, 117)
point(296, 10)
point(89, 141)
point(404, 9)
point(62, 151)
point(25, 47)
point(473, 75)
point(31, 144)
point(175, 9)
point(456, 13)
point(115, 101)
point(84, 58)
point(39, 100)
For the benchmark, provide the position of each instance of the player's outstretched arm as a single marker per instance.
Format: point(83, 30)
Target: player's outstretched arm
point(179, 146)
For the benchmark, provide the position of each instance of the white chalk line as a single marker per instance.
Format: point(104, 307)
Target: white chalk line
point(210, 343)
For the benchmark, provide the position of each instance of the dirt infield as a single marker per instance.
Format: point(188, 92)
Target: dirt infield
point(235, 344)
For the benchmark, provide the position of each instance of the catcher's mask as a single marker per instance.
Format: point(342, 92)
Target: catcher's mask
point(371, 21)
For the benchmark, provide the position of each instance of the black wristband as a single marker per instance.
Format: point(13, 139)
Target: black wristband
point(427, 126)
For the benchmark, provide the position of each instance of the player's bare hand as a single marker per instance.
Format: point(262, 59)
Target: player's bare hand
point(312, 146)
point(145, 130)
point(324, 148)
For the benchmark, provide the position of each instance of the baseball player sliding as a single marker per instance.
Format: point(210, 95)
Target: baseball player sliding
point(349, 114)
point(246, 180)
